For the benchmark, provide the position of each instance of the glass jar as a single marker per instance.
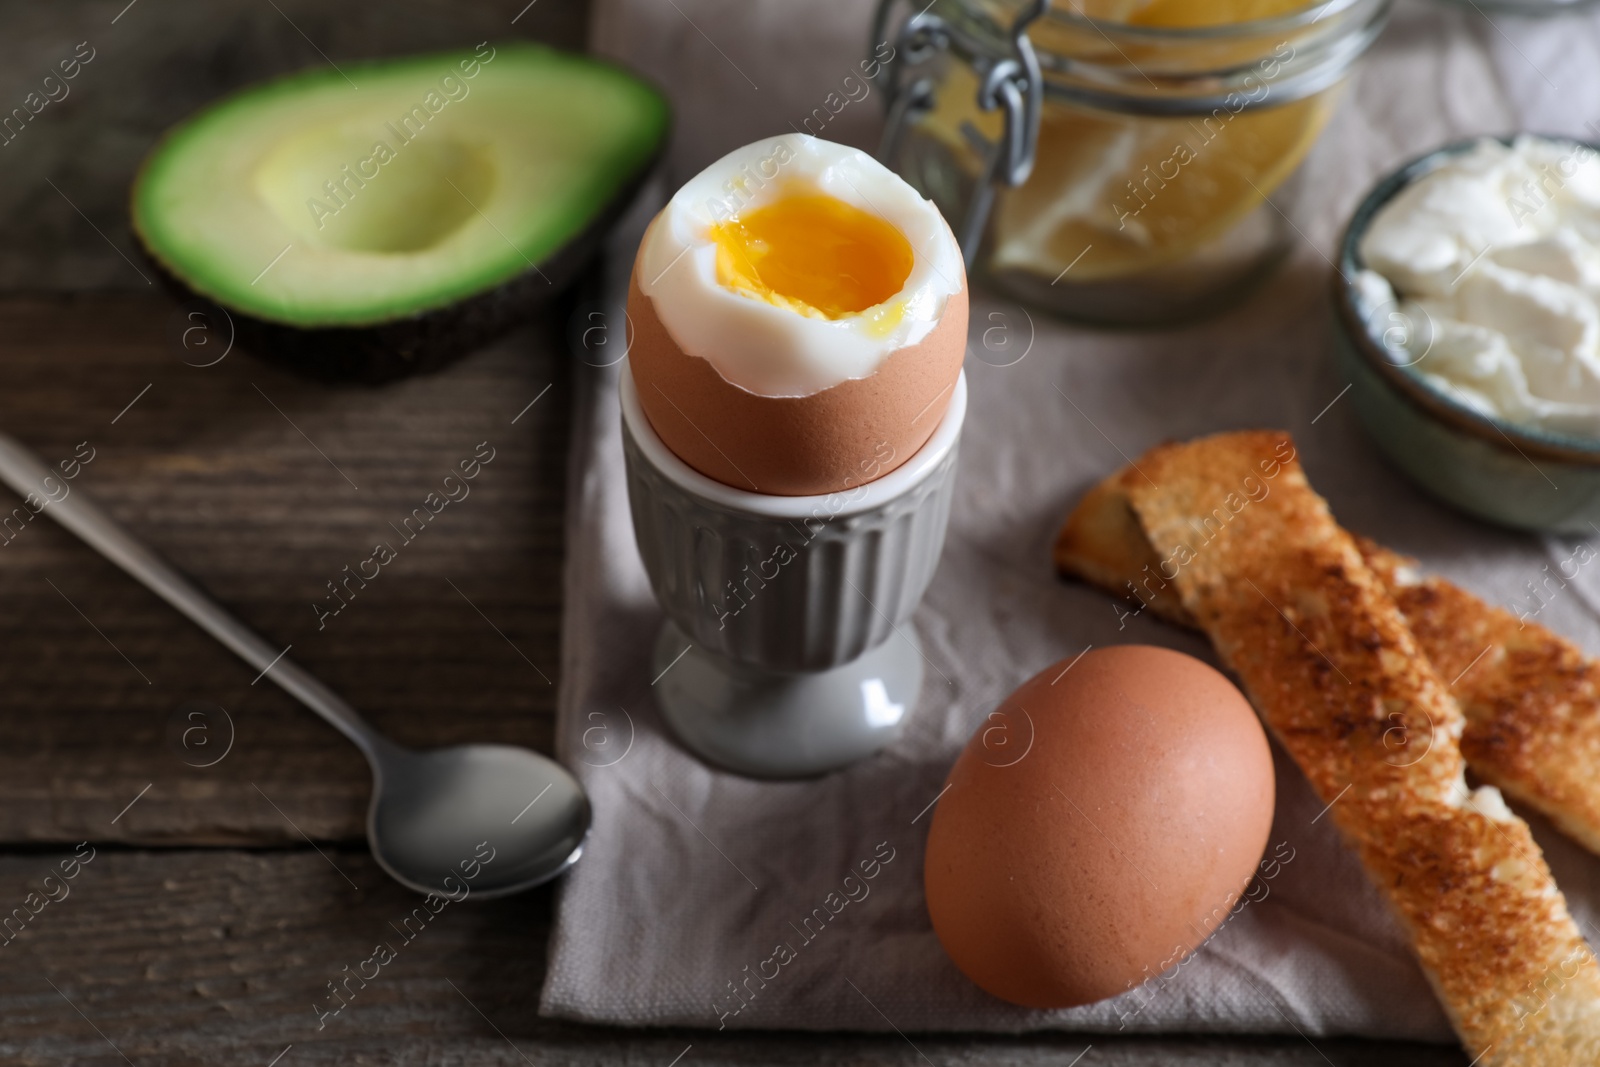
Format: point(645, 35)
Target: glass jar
point(1113, 171)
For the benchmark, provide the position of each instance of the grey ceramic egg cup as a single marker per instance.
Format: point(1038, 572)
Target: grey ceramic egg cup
point(787, 649)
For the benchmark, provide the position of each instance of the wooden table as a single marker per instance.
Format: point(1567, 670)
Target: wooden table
point(229, 882)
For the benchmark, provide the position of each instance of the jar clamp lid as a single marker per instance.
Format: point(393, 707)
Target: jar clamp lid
point(1200, 75)
point(1013, 83)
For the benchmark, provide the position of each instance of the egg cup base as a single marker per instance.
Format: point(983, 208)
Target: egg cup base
point(763, 723)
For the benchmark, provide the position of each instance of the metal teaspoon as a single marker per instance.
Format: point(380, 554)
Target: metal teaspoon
point(435, 814)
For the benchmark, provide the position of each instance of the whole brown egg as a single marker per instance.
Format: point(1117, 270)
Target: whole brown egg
point(1101, 823)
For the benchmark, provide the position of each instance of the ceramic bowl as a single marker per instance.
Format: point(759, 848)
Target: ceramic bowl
point(1506, 473)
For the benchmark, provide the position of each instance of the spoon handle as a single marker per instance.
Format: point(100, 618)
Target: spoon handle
point(28, 476)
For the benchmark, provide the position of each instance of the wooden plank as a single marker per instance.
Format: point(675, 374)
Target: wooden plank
point(264, 487)
point(217, 957)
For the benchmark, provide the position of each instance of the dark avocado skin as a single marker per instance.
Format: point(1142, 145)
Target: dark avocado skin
point(424, 342)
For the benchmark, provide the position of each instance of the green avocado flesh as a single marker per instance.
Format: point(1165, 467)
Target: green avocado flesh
point(394, 187)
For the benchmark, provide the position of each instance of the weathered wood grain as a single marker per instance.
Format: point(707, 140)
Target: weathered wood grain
point(217, 957)
point(264, 487)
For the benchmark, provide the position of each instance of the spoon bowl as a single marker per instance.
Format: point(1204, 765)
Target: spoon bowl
point(478, 820)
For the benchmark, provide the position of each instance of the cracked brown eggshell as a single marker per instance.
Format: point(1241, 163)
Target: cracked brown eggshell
point(828, 442)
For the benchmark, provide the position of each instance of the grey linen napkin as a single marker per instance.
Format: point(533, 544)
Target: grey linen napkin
point(708, 900)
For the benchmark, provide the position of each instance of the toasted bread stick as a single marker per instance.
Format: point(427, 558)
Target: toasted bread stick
point(1531, 698)
point(1253, 556)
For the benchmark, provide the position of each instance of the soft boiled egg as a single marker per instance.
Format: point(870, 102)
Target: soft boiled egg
point(799, 319)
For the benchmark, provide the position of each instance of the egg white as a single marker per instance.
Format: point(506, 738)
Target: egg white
point(771, 350)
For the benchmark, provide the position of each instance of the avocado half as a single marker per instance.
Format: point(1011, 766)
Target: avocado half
point(379, 220)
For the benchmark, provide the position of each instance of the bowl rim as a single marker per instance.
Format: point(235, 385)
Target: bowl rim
point(1528, 440)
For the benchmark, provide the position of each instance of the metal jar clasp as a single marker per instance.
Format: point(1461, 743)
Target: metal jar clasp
point(1012, 83)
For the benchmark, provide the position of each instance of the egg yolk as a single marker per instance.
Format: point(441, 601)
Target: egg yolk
point(814, 254)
